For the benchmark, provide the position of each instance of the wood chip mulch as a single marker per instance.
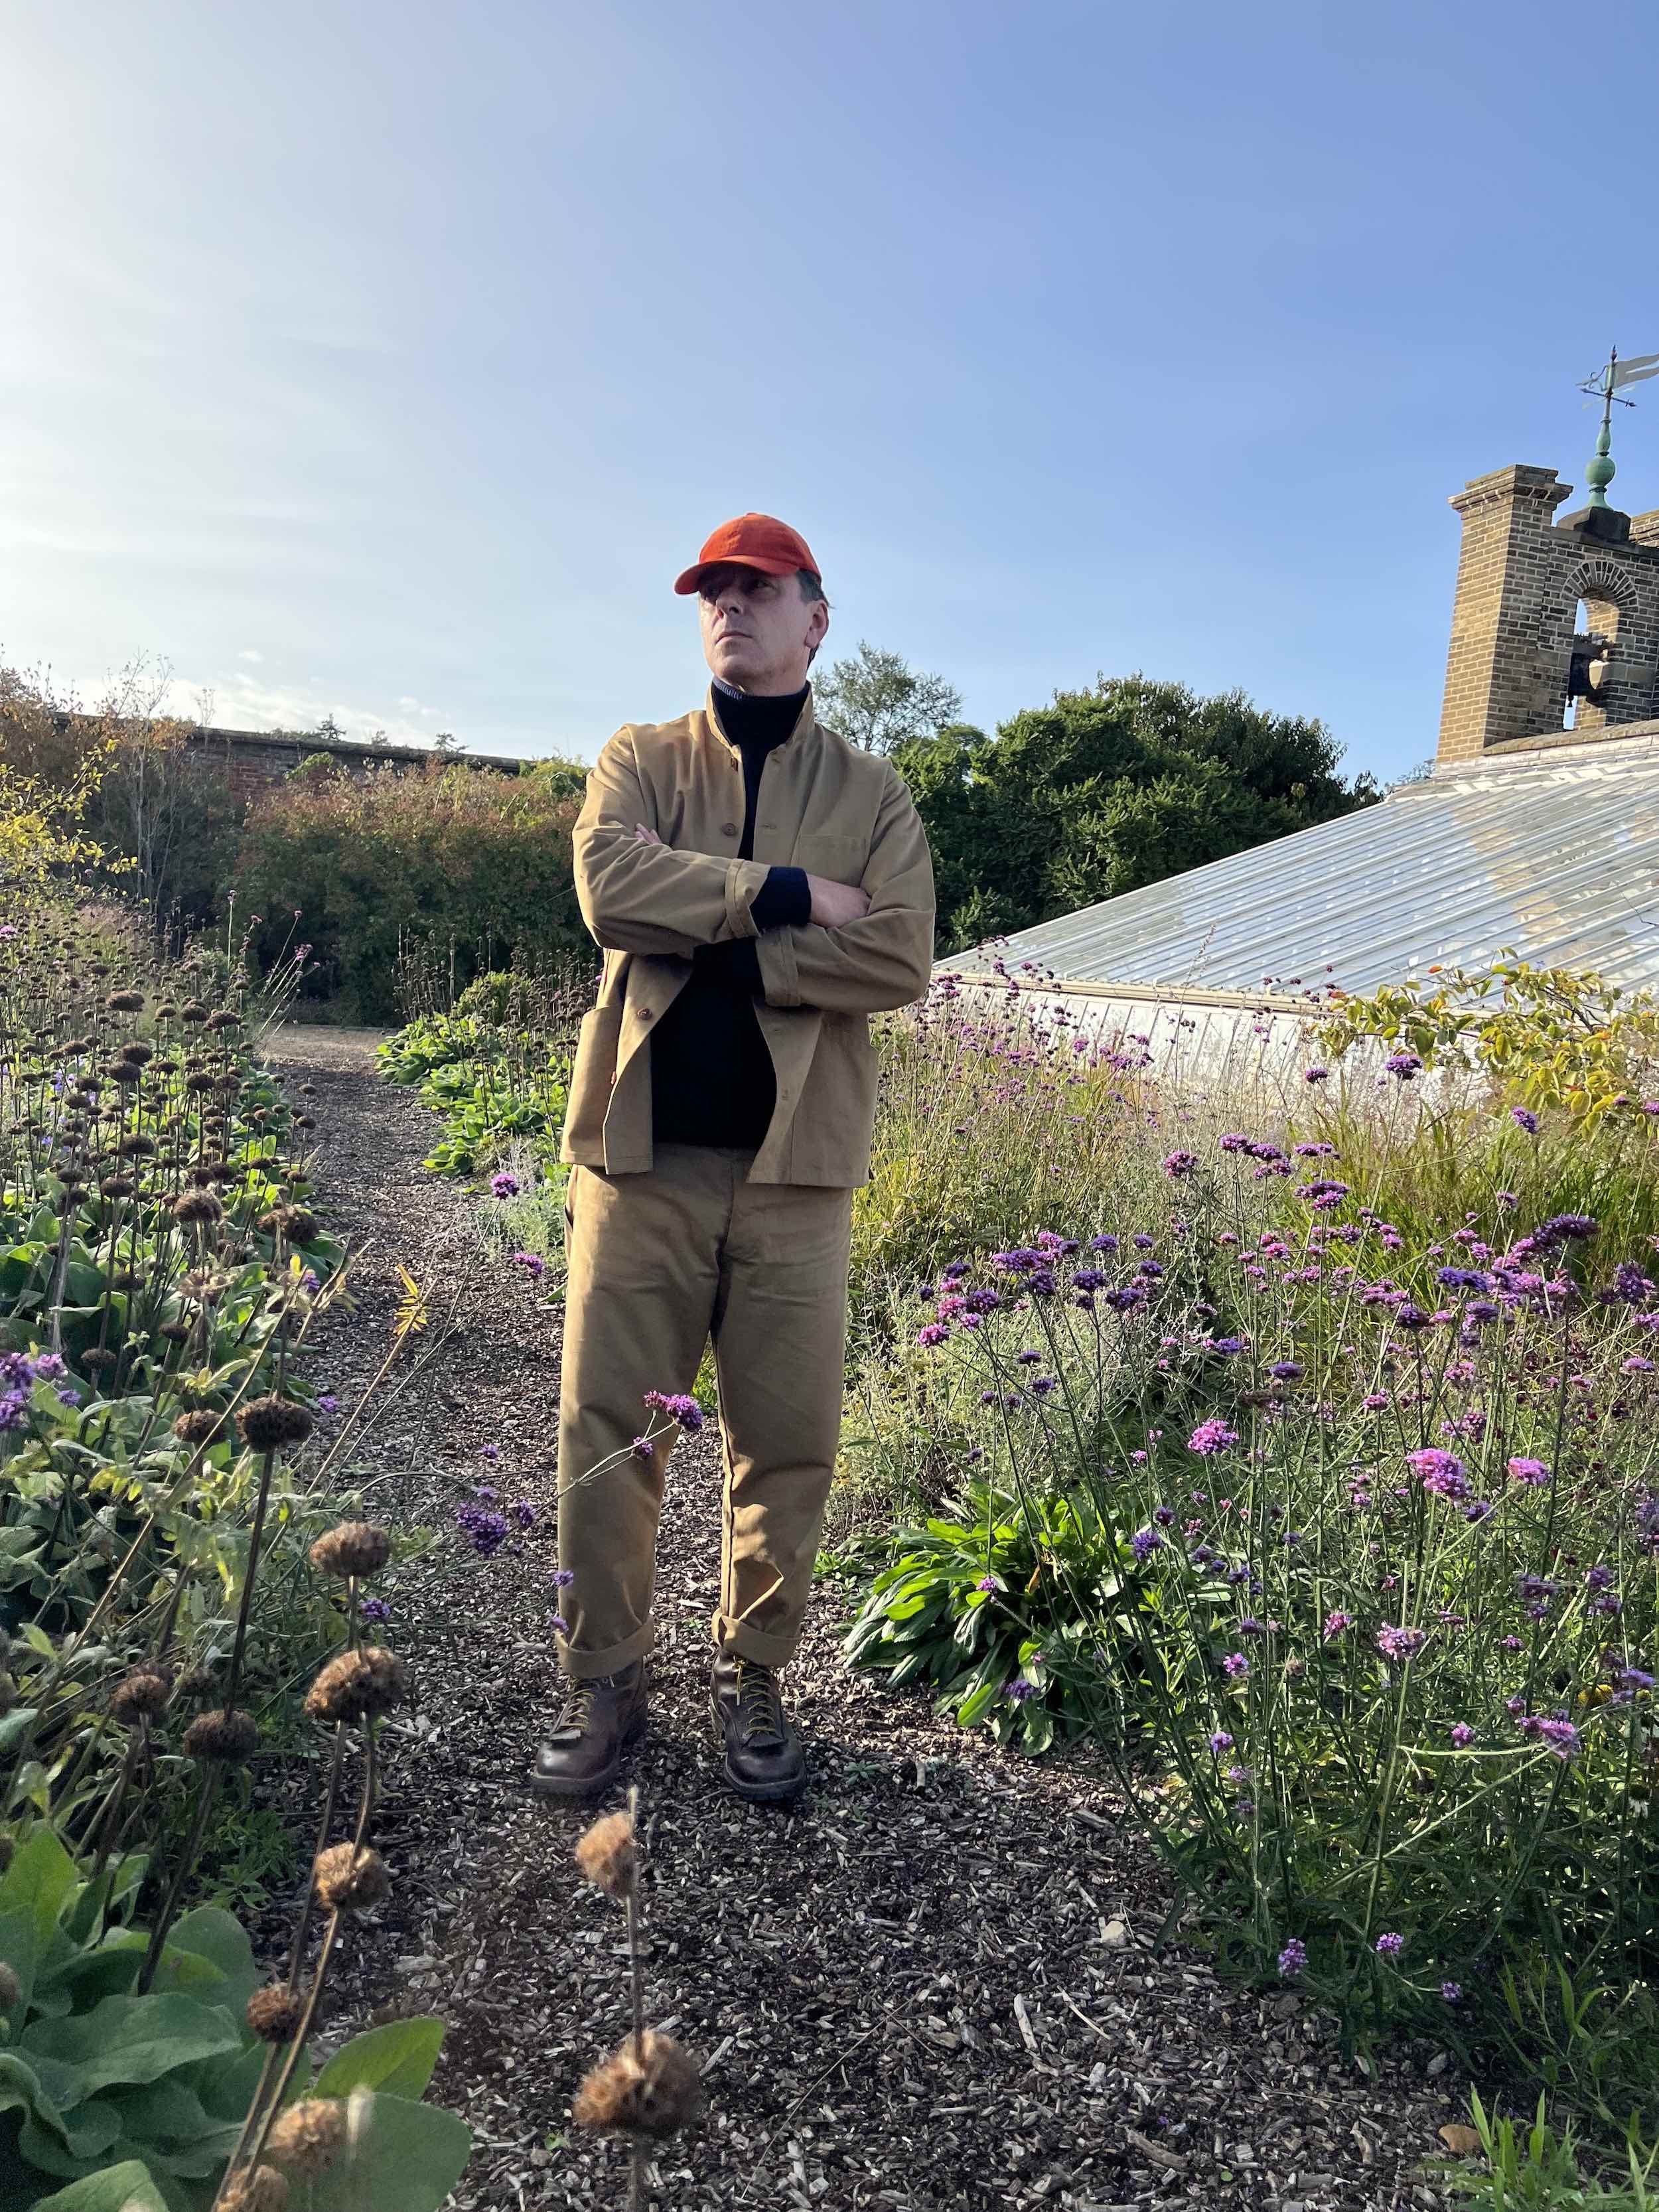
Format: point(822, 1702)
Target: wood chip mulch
point(928, 1985)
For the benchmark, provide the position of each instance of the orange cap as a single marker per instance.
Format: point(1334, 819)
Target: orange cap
point(752, 541)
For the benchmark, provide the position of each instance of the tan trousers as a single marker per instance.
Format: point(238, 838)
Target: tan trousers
point(659, 1263)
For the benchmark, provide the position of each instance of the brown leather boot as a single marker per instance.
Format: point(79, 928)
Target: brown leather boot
point(582, 1752)
point(763, 1756)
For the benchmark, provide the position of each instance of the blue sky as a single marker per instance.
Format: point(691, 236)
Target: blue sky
point(389, 359)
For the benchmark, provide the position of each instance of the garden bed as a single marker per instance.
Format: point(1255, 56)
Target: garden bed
point(930, 1985)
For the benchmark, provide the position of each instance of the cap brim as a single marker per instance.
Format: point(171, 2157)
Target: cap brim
point(689, 579)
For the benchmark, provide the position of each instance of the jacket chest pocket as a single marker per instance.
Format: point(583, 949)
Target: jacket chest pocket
point(840, 858)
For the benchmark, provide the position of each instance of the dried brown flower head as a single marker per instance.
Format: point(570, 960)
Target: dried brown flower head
point(304, 1122)
point(125, 1002)
point(166, 1010)
point(261, 2189)
point(175, 1332)
point(197, 1205)
point(357, 1686)
point(139, 1147)
point(138, 1052)
point(608, 1855)
point(198, 1682)
point(98, 1358)
point(192, 1011)
point(309, 2136)
point(124, 1071)
point(117, 1185)
point(224, 1019)
point(356, 1547)
point(142, 1694)
point(651, 2092)
point(274, 2012)
point(351, 1880)
point(296, 1222)
point(11, 1989)
point(230, 1738)
point(269, 1424)
point(202, 1425)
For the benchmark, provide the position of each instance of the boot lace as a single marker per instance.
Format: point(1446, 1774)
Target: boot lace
point(760, 1703)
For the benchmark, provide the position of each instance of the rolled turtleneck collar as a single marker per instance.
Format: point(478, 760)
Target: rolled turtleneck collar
point(749, 718)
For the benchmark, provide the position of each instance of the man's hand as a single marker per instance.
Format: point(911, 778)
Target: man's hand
point(834, 904)
point(644, 836)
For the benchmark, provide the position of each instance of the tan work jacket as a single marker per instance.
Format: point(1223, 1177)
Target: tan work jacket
point(822, 806)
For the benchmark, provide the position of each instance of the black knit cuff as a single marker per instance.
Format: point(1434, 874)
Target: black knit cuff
point(782, 898)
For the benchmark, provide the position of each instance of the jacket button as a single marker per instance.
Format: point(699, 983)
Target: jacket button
point(728, 829)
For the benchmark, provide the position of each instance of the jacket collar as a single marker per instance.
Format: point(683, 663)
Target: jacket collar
point(805, 723)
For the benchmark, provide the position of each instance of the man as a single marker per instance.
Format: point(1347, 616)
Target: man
point(760, 888)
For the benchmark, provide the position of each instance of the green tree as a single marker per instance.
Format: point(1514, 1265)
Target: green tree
point(877, 700)
point(1107, 789)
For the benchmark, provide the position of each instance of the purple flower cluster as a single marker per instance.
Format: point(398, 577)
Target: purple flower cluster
point(678, 1406)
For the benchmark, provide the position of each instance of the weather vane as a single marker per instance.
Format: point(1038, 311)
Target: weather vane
point(1605, 387)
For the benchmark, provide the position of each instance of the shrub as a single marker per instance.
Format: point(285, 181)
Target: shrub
point(461, 857)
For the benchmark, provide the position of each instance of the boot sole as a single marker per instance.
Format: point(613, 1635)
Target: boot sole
point(756, 1793)
point(591, 1786)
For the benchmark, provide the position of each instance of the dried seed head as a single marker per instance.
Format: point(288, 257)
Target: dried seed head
point(166, 1010)
point(357, 1686)
point(297, 1222)
point(351, 1880)
point(269, 1424)
point(202, 1425)
point(356, 1547)
point(175, 1332)
point(197, 1205)
point(198, 1682)
point(274, 2012)
point(230, 1738)
point(125, 1002)
point(608, 1857)
point(224, 1019)
point(261, 2189)
point(192, 1011)
point(11, 1990)
point(99, 1357)
point(117, 1185)
point(309, 2136)
point(138, 1052)
point(124, 1071)
point(144, 1693)
point(652, 2092)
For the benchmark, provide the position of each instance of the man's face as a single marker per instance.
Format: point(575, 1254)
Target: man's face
point(758, 630)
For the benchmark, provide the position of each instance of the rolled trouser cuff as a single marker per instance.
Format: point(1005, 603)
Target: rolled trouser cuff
point(744, 1642)
point(587, 1666)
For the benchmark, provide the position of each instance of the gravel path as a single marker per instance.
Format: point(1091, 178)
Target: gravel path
point(928, 1985)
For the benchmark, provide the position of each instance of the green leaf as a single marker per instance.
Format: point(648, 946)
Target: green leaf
point(130, 2187)
point(405, 2157)
point(14, 1723)
point(124, 2039)
point(39, 1882)
point(976, 1703)
point(398, 2057)
point(216, 1935)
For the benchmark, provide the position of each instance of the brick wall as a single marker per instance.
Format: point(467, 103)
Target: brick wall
point(253, 760)
point(1521, 574)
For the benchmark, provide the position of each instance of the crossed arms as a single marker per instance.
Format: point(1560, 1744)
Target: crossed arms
point(638, 895)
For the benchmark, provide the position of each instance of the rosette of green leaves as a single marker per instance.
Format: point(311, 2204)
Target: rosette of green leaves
point(109, 2100)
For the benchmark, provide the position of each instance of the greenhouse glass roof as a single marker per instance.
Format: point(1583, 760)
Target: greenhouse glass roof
point(1555, 855)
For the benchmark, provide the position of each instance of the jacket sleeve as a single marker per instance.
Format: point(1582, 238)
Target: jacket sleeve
point(884, 959)
point(636, 898)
